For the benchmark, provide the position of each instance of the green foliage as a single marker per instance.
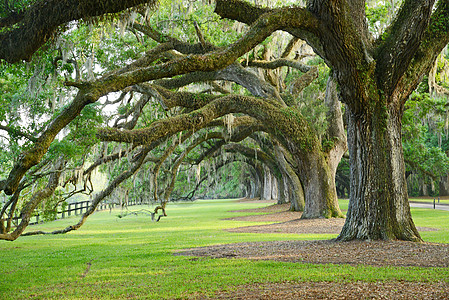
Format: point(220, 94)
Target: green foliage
point(311, 102)
point(424, 123)
point(82, 134)
point(8, 6)
point(176, 18)
point(379, 14)
point(49, 208)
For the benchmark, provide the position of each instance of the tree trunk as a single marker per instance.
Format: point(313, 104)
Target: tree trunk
point(318, 169)
point(282, 190)
point(378, 205)
point(295, 190)
point(274, 188)
point(266, 184)
point(444, 186)
point(319, 189)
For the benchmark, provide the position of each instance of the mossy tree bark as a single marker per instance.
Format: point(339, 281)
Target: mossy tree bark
point(379, 206)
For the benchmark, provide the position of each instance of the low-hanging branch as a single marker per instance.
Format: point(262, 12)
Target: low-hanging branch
point(277, 118)
point(218, 165)
point(278, 63)
point(163, 158)
point(239, 133)
point(36, 198)
point(100, 196)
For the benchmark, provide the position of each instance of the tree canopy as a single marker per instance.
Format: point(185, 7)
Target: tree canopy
point(149, 93)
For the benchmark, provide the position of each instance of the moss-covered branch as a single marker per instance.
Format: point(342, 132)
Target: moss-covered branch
point(436, 37)
point(41, 21)
point(100, 196)
point(277, 63)
point(215, 60)
point(281, 121)
point(400, 42)
point(36, 199)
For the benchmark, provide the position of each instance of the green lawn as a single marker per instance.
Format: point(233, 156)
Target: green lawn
point(132, 257)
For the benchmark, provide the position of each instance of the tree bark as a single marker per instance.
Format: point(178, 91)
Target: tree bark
point(444, 186)
point(319, 189)
point(378, 207)
point(296, 192)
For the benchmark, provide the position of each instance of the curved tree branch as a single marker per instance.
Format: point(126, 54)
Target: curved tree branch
point(436, 37)
point(37, 198)
point(100, 196)
point(42, 20)
point(281, 62)
point(16, 132)
point(401, 41)
point(215, 60)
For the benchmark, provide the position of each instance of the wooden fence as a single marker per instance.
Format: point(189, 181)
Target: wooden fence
point(78, 208)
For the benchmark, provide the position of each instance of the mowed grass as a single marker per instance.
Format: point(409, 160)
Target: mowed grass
point(132, 257)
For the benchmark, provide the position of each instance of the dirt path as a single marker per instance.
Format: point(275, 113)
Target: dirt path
point(290, 222)
point(336, 291)
point(375, 253)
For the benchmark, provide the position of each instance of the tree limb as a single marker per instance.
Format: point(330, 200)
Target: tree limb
point(401, 41)
point(100, 196)
point(277, 63)
point(436, 37)
point(42, 20)
point(37, 198)
point(17, 132)
point(215, 60)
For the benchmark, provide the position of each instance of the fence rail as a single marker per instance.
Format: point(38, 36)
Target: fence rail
point(78, 208)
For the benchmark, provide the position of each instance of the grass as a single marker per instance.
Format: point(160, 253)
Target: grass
point(132, 257)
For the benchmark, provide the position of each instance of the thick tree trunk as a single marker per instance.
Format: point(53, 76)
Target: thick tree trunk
point(378, 205)
point(318, 169)
point(282, 190)
point(319, 189)
point(274, 188)
point(256, 176)
point(266, 184)
point(295, 190)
